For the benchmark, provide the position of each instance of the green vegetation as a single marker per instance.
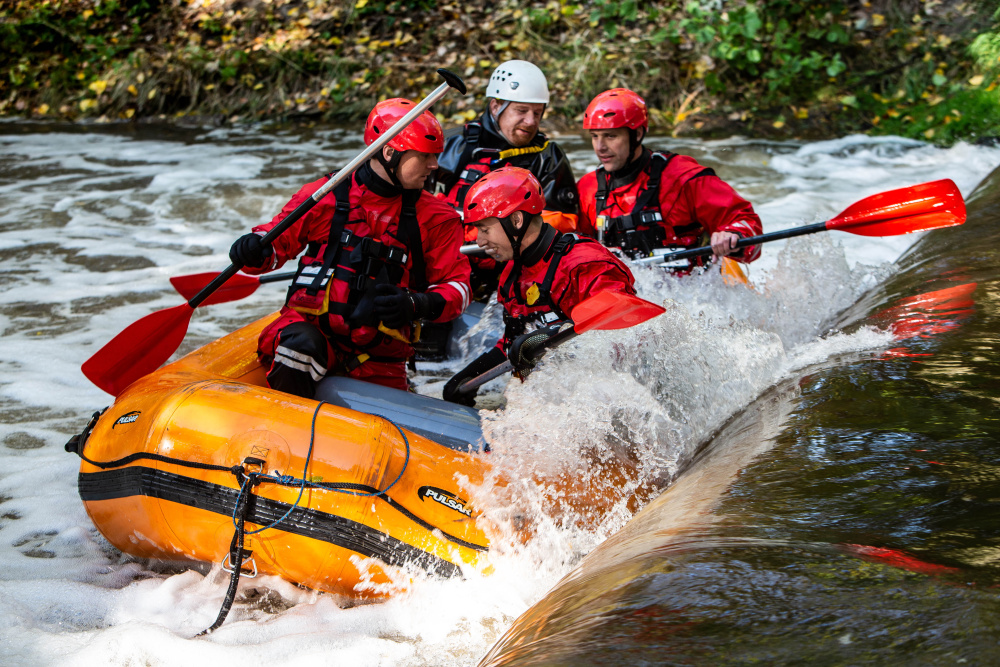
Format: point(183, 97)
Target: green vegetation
point(919, 68)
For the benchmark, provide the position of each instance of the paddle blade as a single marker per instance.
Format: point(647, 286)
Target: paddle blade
point(612, 310)
point(903, 211)
point(139, 349)
point(238, 287)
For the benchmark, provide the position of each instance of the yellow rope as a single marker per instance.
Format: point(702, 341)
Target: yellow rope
point(514, 152)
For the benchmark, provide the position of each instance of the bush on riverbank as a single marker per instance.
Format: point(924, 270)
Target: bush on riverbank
point(781, 68)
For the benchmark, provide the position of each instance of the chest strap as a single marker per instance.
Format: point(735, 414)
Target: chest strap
point(340, 215)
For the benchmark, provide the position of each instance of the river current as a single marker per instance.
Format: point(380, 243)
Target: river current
point(800, 471)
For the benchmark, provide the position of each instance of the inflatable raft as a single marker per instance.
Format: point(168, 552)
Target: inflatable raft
point(333, 494)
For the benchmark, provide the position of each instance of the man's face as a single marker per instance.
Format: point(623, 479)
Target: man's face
point(611, 147)
point(491, 237)
point(414, 168)
point(519, 121)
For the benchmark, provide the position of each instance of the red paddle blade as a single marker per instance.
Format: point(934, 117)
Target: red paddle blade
point(139, 349)
point(612, 310)
point(238, 287)
point(913, 209)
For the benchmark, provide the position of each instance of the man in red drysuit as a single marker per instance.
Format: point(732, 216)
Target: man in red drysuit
point(547, 272)
point(641, 201)
point(381, 253)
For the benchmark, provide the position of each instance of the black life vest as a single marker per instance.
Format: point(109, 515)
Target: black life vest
point(544, 310)
point(637, 233)
point(338, 278)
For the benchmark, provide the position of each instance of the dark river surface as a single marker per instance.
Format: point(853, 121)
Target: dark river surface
point(850, 515)
point(801, 472)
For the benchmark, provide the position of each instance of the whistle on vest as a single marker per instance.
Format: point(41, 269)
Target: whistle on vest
point(531, 296)
point(601, 224)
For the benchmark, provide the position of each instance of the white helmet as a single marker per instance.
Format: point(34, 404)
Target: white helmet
point(518, 81)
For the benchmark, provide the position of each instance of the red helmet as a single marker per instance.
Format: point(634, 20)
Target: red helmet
point(618, 107)
point(423, 134)
point(501, 192)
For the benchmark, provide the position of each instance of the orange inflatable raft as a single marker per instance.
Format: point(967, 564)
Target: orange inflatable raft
point(328, 496)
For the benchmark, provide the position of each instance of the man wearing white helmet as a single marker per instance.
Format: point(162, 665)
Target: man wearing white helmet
point(507, 134)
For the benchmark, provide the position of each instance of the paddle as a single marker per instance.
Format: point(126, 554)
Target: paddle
point(146, 344)
point(240, 286)
point(916, 208)
point(603, 311)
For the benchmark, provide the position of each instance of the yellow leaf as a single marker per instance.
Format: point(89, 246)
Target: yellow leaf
point(151, 94)
point(360, 4)
point(87, 13)
point(210, 86)
point(42, 110)
point(129, 113)
point(929, 133)
point(778, 124)
point(469, 114)
point(878, 20)
point(80, 76)
point(892, 113)
point(132, 89)
point(977, 80)
point(88, 104)
point(802, 113)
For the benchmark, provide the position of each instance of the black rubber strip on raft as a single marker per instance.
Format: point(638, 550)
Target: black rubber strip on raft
point(357, 537)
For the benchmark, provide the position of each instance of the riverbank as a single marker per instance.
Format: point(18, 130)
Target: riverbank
point(777, 68)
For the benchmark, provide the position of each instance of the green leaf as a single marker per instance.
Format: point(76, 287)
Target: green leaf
point(939, 79)
point(754, 55)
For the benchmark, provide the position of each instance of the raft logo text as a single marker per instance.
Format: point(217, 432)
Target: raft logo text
point(127, 418)
point(445, 498)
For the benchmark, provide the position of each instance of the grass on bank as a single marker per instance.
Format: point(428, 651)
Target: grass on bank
point(919, 68)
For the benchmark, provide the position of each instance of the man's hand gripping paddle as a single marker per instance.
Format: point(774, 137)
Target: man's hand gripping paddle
point(146, 344)
point(603, 311)
point(917, 208)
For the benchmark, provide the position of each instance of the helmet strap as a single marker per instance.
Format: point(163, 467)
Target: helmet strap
point(515, 235)
point(503, 105)
point(391, 165)
point(634, 142)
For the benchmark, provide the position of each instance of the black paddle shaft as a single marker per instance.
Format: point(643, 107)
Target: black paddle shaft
point(742, 243)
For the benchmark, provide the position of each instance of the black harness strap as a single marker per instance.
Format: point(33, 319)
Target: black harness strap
point(409, 235)
point(515, 326)
point(340, 216)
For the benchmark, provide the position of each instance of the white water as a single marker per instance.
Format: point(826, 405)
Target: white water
point(91, 227)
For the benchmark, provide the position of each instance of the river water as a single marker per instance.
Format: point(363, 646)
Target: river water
point(806, 464)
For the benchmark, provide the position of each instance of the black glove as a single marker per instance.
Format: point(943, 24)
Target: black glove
point(396, 307)
point(483, 363)
point(528, 348)
point(249, 251)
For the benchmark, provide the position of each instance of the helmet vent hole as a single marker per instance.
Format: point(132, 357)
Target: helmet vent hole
point(472, 205)
point(377, 131)
point(609, 114)
point(527, 195)
point(430, 136)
